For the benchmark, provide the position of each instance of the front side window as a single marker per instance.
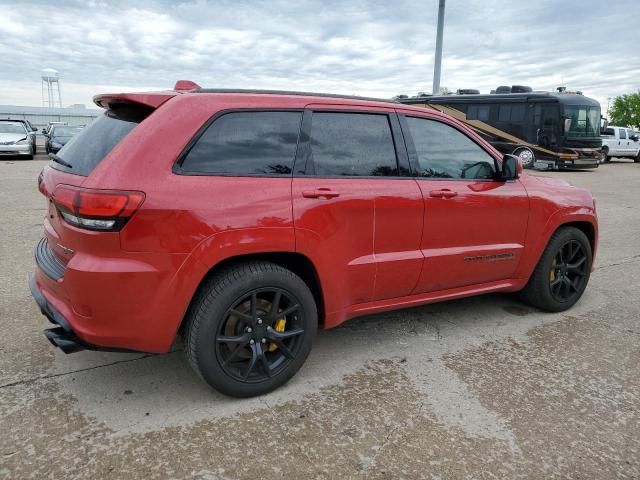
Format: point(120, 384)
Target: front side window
point(352, 144)
point(444, 152)
point(246, 143)
point(623, 134)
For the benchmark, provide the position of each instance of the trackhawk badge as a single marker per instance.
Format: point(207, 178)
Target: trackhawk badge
point(491, 258)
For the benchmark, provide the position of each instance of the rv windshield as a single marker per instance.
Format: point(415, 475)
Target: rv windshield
point(581, 121)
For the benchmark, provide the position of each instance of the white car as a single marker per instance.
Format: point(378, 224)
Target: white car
point(15, 140)
point(620, 142)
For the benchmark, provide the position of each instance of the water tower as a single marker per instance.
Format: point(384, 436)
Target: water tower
point(51, 83)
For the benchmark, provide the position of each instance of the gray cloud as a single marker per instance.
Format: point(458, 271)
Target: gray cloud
point(356, 47)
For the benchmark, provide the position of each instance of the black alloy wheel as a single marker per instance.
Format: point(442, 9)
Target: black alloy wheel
point(562, 273)
point(260, 335)
point(250, 328)
point(568, 271)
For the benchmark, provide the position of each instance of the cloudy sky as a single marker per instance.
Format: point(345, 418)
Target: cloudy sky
point(373, 48)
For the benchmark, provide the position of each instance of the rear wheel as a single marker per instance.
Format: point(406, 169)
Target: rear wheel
point(605, 152)
point(636, 159)
point(562, 273)
point(250, 328)
point(527, 158)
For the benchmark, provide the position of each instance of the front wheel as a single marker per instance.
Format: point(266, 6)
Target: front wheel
point(562, 273)
point(526, 155)
point(250, 328)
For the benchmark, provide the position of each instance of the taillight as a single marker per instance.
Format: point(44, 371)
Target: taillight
point(93, 209)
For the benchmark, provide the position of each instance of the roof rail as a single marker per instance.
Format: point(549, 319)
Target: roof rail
point(290, 92)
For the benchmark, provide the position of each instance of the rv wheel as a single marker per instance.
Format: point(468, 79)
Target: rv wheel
point(526, 156)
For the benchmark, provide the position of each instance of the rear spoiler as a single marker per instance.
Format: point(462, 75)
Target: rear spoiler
point(148, 99)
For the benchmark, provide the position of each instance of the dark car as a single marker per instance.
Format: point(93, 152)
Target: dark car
point(246, 220)
point(58, 136)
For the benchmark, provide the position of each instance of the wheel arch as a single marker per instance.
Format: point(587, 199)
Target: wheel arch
point(298, 263)
point(585, 222)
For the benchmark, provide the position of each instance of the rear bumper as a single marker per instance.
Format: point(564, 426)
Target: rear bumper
point(128, 302)
point(62, 335)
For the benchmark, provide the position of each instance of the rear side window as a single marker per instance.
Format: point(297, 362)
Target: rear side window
point(444, 152)
point(86, 150)
point(352, 145)
point(246, 143)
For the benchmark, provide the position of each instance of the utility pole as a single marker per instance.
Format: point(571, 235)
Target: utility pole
point(436, 67)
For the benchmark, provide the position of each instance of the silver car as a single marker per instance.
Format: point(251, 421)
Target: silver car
point(15, 140)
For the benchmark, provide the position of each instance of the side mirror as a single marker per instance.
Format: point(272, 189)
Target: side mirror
point(634, 137)
point(511, 168)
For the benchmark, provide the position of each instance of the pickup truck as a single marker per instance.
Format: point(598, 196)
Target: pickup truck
point(620, 142)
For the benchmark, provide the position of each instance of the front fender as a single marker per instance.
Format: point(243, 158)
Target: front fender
point(556, 220)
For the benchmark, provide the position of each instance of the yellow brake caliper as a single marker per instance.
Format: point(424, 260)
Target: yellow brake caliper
point(278, 326)
point(552, 273)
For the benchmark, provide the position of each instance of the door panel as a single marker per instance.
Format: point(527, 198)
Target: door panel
point(476, 236)
point(337, 233)
point(474, 226)
point(397, 232)
point(357, 219)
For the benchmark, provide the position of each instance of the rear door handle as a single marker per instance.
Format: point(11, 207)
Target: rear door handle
point(444, 193)
point(320, 193)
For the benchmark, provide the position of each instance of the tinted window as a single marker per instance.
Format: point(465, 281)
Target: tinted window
point(444, 152)
point(517, 113)
point(511, 113)
point(352, 144)
point(87, 149)
point(623, 134)
point(478, 112)
point(246, 143)
point(505, 113)
point(609, 131)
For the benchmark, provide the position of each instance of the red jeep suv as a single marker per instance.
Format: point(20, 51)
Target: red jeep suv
point(245, 220)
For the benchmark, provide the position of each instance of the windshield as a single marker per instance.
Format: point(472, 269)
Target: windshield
point(65, 131)
point(581, 121)
point(12, 128)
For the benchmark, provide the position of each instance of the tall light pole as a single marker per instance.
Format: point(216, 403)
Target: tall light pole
point(436, 67)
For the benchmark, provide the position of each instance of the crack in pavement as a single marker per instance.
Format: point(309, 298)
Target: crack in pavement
point(63, 374)
point(625, 261)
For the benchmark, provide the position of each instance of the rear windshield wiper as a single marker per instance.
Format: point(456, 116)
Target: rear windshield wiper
point(60, 160)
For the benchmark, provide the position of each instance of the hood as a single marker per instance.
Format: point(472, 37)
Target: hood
point(554, 182)
point(12, 137)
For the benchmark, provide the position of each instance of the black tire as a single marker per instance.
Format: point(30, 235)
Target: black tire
point(215, 314)
point(605, 152)
point(526, 156)
point(542, 289)
point(636, 159)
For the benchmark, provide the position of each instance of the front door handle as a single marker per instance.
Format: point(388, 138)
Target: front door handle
point(444, 193)
point(320, 193)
